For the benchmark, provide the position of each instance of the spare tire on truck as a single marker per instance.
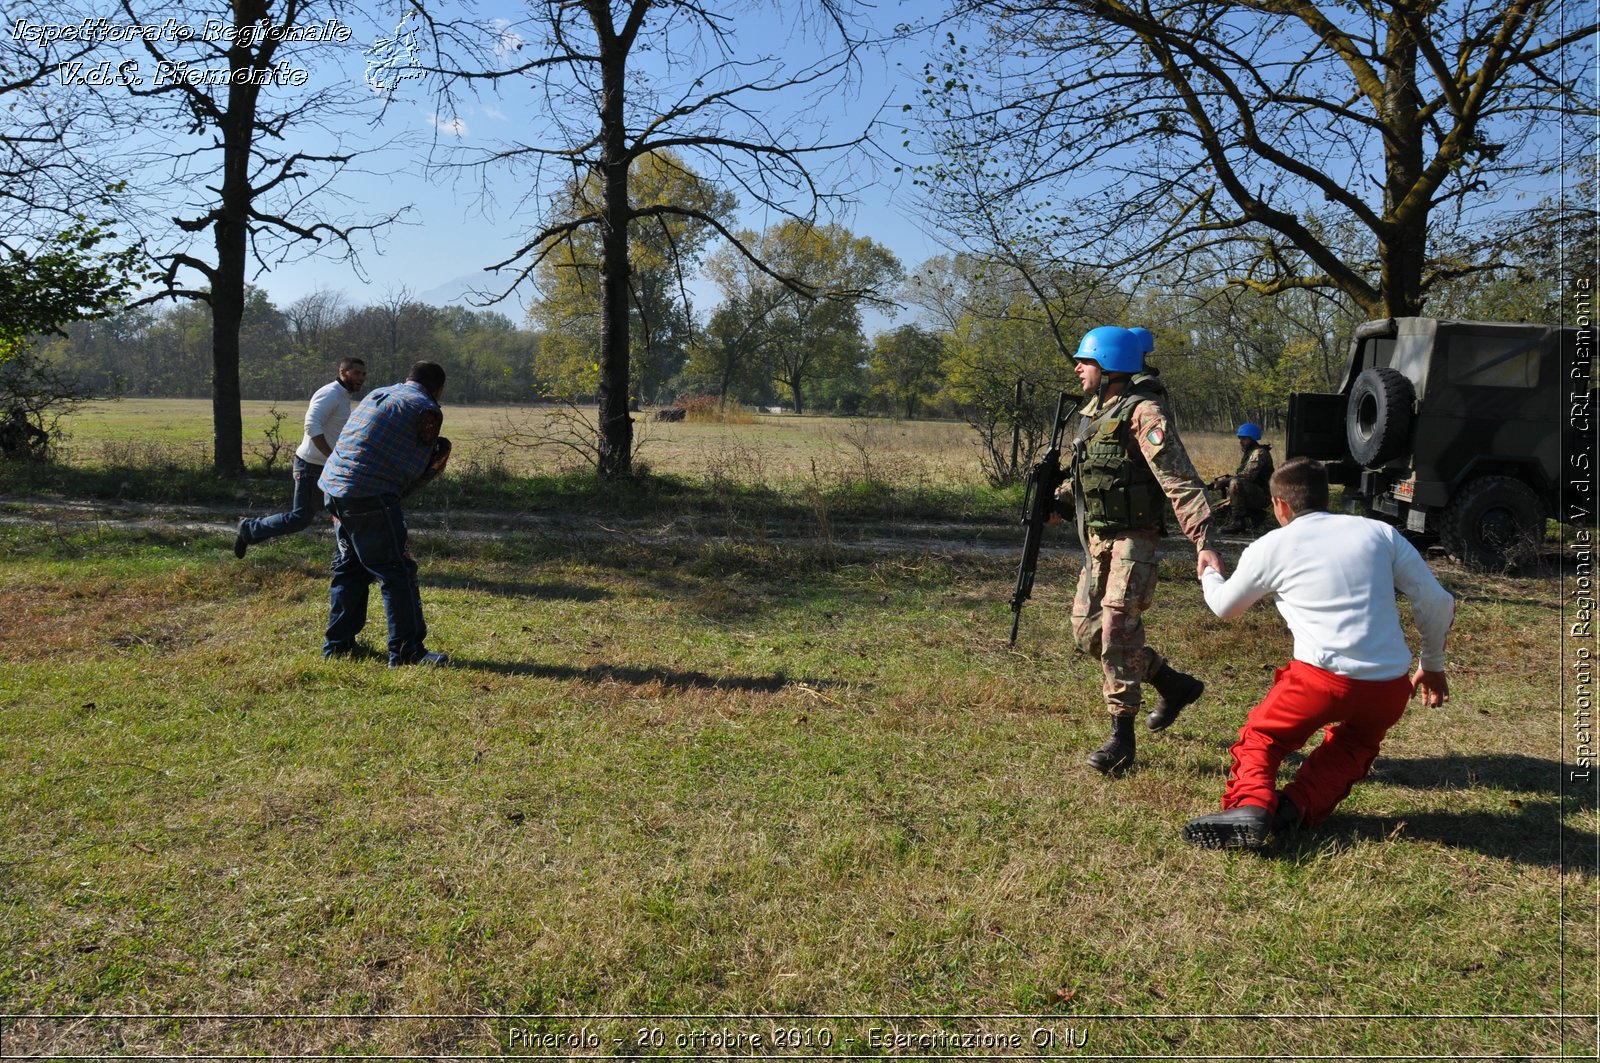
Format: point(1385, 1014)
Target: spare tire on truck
point(1494, 522)
point(1378, 419)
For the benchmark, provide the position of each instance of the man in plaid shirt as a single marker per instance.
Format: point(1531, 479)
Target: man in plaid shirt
point(390, 446)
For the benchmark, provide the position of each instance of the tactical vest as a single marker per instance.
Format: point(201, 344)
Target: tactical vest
point(1256, 465)
point(1120, 493)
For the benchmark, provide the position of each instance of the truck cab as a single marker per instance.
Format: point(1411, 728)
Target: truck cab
point(1453, 430)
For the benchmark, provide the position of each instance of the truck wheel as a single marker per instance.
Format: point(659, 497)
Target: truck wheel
point(1494, 522)
point(1377, 421)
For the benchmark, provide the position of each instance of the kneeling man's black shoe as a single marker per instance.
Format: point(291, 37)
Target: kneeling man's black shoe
point(1243, 827)
point(1287, 818)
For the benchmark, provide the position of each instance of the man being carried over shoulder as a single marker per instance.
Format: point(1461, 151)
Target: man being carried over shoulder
point(390, 447)
point(325, 419)
point(1335, 578)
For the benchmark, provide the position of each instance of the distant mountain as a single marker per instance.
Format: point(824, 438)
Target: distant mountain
point(459, 291)
point(453, 292)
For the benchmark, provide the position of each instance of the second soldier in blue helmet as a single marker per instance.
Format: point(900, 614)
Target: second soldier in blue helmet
point(1127, 465)
point(1248, 495)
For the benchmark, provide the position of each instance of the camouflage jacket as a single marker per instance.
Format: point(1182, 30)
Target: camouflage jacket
point(1158, 446)
point(1256, 465)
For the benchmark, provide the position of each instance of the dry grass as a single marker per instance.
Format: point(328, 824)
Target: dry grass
point(706, 409)
point(668, 776)
point(774, 447)
point(706, 779)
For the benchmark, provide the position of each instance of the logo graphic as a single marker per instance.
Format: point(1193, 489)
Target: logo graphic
point(392, 60)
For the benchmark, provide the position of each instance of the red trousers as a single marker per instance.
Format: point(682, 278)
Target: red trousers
point(1357, 713)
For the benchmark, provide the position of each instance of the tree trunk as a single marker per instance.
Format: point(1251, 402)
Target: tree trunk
point(232, 234)
point(227, 311)
point(616, 426)
point(1403, 240)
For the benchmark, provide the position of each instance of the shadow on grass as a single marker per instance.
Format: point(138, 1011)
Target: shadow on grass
point(544, 590)
point(1515, 772)
point(1533, 834)
point(1529, 831)
point(670, 679)
point(1551, 601)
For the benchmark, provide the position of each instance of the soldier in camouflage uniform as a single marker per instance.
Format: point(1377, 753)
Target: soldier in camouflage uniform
point(1247, 490)
point(1127, 464)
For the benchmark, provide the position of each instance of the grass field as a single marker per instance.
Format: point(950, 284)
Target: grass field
point(762, 447)
point(738, 786)
point(765, 447)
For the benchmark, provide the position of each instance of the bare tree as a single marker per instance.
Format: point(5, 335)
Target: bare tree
point(312, 318)
point(1354, 146)
point(242, 106)
point(620, 80)
point(56, 258)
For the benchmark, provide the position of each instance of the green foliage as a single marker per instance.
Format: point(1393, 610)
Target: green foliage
point(987, 362)
point(1000, 337)
point(726, 357)
point(284, 355)
point(66, 277)
point(1229, 355)
point(799, 318)
point(905, 367)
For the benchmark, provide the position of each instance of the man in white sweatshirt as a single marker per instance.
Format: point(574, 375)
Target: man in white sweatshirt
point(1335, 578)
point(325, 418)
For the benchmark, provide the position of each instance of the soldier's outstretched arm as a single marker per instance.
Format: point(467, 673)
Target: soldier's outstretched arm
point(1163, 451)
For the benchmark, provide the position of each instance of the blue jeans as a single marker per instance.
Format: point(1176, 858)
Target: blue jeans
point(306, 505)
point(370, 542)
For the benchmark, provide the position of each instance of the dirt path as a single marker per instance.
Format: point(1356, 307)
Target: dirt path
point(1000, 541)
point(877, 536)
point(950, 538)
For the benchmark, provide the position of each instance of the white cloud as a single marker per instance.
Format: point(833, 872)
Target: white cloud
point(453, 127)
point(495, 113)
point(507, 40)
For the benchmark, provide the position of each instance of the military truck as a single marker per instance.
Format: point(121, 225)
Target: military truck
point(1453, 430)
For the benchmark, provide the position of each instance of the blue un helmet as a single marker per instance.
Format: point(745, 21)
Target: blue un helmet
point(1249, 430)
point(1112, 348)
point(1147, 342)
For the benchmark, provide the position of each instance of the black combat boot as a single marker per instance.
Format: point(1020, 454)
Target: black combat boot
point(1175, 691)
point(1116, 756)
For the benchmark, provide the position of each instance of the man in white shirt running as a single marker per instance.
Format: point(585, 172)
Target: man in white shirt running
point(1335, 578)
point(325, 418)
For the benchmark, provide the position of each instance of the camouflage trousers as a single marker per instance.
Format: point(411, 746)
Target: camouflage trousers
point(1246, 497)
point(1116, 586)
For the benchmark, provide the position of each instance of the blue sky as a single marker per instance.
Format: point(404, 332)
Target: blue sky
point(454, 228)
point(456, 222)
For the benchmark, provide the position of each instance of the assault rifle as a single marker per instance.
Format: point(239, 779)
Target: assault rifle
point(1038, 502)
